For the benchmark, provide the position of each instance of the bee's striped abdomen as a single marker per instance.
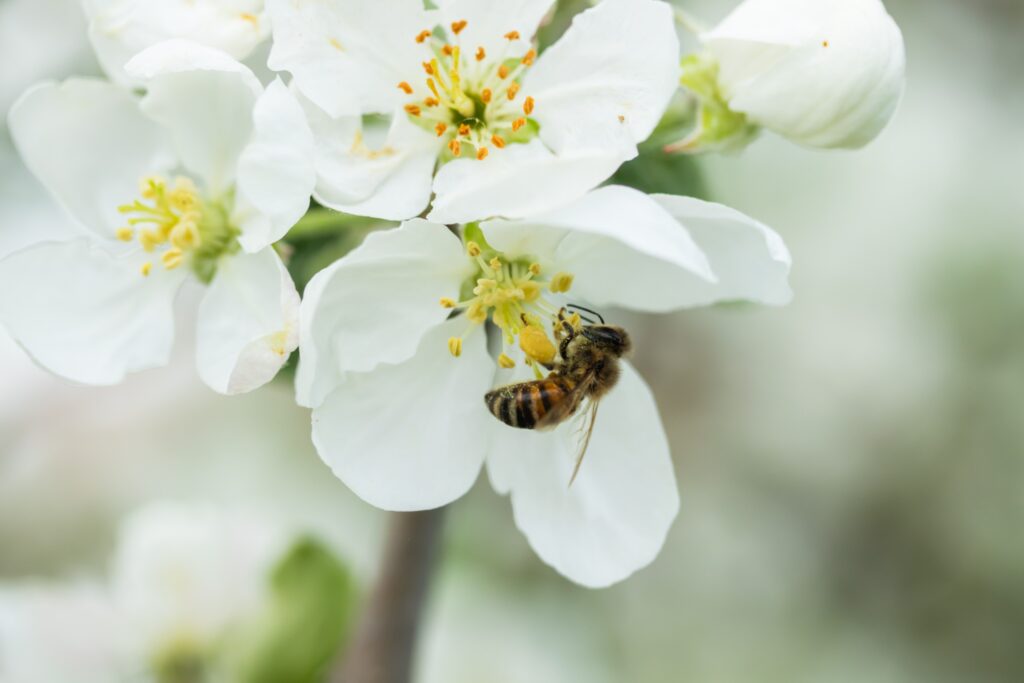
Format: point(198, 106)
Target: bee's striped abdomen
point(523, 405)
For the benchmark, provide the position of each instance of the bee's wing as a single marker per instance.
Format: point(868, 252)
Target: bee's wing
point(586, 429)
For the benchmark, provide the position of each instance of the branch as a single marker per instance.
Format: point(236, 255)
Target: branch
point(381, 651)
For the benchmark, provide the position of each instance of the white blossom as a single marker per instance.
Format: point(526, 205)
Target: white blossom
point(194, 180)
point(509, 132)
point(403, 422)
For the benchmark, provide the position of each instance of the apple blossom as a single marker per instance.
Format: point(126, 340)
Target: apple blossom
point(510, 132)
point(822, 73)
point(120, 29)
point(207, 207)
point(396, 381)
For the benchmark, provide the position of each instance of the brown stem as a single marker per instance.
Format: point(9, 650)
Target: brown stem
point(381, 651)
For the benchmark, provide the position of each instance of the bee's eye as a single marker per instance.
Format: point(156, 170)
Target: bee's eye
point(607, 336)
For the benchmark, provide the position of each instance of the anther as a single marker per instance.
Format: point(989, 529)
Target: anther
point(482, 153)
point(473, 249)
point(146, 268)
point(485, 95)
point(447, 302)
point(495, 264)
point(149, 239)
point(561, 282)
point(125, 234)
point(457, 26)
point(506, 362)
point(464, 129)
point(405, 87)
point(413, 109)
point(517, 124)
point(481, 53)
point(428, 68)
point(456, 147)
point(422, 35)
point(172, 258)
point(529, 57)
point(446, 50)
point(431, 102)
point(512, 35)
point(527, 105)
point(455, 346)
point(498, 141)
point(440, 128)
point(513, 90)
point(535, 269)
point(502, 71)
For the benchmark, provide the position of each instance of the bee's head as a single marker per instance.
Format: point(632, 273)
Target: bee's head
point(611, 338)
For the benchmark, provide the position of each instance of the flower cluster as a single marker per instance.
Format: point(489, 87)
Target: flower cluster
point(194, 161)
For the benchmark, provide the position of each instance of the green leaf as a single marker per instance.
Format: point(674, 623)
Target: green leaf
point(653, 171)
point(305, 624)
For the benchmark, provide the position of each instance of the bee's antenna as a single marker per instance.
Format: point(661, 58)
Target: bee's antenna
point(584, 308)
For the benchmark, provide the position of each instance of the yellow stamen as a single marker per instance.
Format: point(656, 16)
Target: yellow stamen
point(481, 53)
point(428, 67)
point(476, 313)
point(502, 71)
point(527, 105)
point(498, 141)
point(529, 57)
point(185, 235)
point(172, 258)
point(495, 264)
point(440, 128)
point(457, 26)
point(125, 234)
point(446, 50)
point(405, 87)
point(456, 147)
point(431, 102)
point(422, 35)
point(413, 109)
point(447, 302)
point(506, 362)
point(464, 129)
point(482, 153)
point(146, 268)
point(455, 346)
point(485, 95)
point(513, 90)
point(473, 249)
point(512, 35)
point(535, 269)
point(561, 282)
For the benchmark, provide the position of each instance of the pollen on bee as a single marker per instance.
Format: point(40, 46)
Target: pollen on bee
point(512, 35)
point(485, 95)
point(502, 71)
point(146, 268)
point(482, 153)
point(456, 147)
point(473, 249)
point(518, 123)
point(405, 87)
point(440, 128)
point(422, 35)
point(413, 109)
point(455, 346)
point(447, 302)
point(506, 362)
point(535, 344)
point(125, 234)
point(457, 26)
point(528, 105)
point(561, 282)
point(481, 53)
point(498, 141)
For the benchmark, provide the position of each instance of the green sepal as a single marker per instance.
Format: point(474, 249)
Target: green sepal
point(719, 128)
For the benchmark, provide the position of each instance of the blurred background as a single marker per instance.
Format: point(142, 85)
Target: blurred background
point(851, 467)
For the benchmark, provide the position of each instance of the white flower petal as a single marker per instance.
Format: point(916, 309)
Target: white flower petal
point(411, 436)
point(520, 180)
point(206, 99)
point(488, 21)
point(89, 145)
point(621, 246)
point(248, 323)
point(613, 520)
point(120, 29)
point(750, 259)
point(87, 314)
point(614, 70)
point(275, 171)
point(374, 305)
point(824, 73)
point(366, 171)
point(348, 56)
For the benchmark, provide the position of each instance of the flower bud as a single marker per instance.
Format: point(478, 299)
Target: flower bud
point(822, 73)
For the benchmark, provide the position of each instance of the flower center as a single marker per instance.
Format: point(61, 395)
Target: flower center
point(472, 98)
point(510, 293)
point(171, 221)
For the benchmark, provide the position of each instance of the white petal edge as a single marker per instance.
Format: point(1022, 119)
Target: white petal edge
point(518, 181)
point(411, 436)
point(87, 314)
point(89, 144)
point(248, 323)
point(275, 172)
point(205, 98)
point(616, 67)
point(614, 519)
point(374, 305)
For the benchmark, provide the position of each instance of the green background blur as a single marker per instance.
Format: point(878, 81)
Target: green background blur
point(851, 467)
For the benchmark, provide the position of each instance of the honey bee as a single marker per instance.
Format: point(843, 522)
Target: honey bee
point(586, 369)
